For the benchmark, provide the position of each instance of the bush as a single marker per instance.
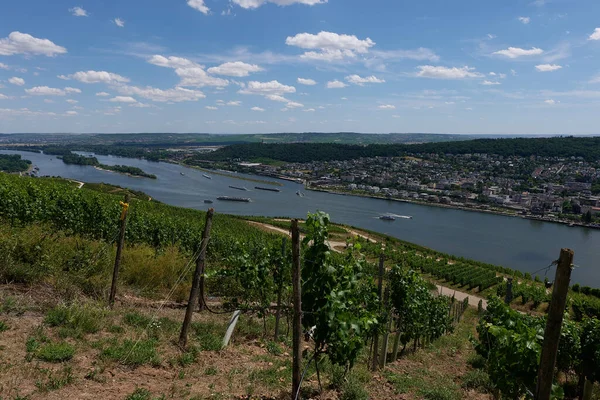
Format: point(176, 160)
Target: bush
point(478, 380)
point(476, 361)
point(55, 352)
point(354, 390)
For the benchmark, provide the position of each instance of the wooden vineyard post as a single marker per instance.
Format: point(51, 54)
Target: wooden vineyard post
point(556, 312)
point(195, 290)
point(297, 319)
point(375, 361)
point(386, 336)
point(280, 289)
point(202, 259)
point(123, 226)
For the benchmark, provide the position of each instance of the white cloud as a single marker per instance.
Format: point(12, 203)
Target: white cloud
point(357, 80)
point(234, 103)
point(595, 35)
point(102, 94)
point(23, 43)
point(3, 66)
point(211, 108)
point(176, 95)
point(548, 67)
point(72, 90)
point(172, 62)
point(3, 96)
point(199, 5)
point(45, 91)
point(251, 4)
point(196, 76)
point(293, 104)
point(525, 20)
point(96, 77)
point(550, 102)
point(257, 109)
point(71, 113)
point(276, 97)
point(237, 69)
point(490, 83)
point(267, 88)
point(48, 101)
point(336, 84)
point(123, 99)
point(309, 110)
point(387, 107)
point(78, 12)
point(439, 72)
point(71, 101)
point(331, 46)
point(119, 22)
point(420, 54)
point(516, 52)
point(491, 36)
point(16, 81)
point(308, 82)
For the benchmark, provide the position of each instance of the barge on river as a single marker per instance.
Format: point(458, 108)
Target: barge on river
point(267, 189)
point(238, 199)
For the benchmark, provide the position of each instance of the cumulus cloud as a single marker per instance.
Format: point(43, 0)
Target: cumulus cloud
point(516, 52)
point(357, 80)
point(490, 83)
point(3, 66)
point(525, 20)
point(387, 107)
point(71, 101)
point(123, 99)
point(211, 108)
point(78, 12)
point(330, 46)
point(119, 22)
point(267, 88)
point(96, 77)
point(71, 113)
point(72, 90)
point(307, 82)
point(293, 104)
point(199, 5)
point(257, 109)
point(550, 102)
point(102, 94)
point(23, 43)
point(171, 62)
point(439, 72)
point(336, 84)
point(548, 67)
point(251, 4)
point(595, 35)
point(234, 103)
point(276, 97)
point(420, 54)
point(45, 91)
point(16, 81)
point(237, 69)
point(176, 95)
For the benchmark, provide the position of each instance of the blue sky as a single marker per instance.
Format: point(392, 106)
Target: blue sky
point(246, 66)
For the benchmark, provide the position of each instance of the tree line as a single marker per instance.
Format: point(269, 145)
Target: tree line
point(13, 163)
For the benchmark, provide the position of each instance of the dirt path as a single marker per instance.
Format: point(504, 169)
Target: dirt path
point(339, 246)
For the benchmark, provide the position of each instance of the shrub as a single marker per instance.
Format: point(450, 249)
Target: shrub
point(354, 390)
point(476, 361)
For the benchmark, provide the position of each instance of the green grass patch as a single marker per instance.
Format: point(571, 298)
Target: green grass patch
point(132, 353)
point(478, 380)
point(55, 352)
point(76, 320)
point(3, 326)
point(143, 394)
point(55, 380)
point(209, 335)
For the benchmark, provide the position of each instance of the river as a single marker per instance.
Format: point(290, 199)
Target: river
point(517, 243)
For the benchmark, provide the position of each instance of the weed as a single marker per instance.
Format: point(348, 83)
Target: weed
point(276, 376)
point(274, 348)
point(137, 320)
point(139, 394)
point(478, 380)
point(55, 352)
point(75, 320)
point(210, 371)
point(3, 326)
point(209, 335)
point(116, 329)
point(439, 393)
point(95, 375)
point(354, 390)
point(55, 379)
point(132, 353)
point(189, 357)
point(10, 306)
point(476, 361)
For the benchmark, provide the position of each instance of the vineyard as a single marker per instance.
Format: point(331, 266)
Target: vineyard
point(369, 313)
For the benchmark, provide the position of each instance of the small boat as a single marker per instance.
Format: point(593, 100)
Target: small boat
point(299, 193)
point(181, 173)
point(239, 199)
point(208, 201)
point(267, 189)
point(238, 188)
point(387, 218)
point(206, 176)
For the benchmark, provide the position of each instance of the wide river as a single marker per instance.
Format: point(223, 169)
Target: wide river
point(517, 243)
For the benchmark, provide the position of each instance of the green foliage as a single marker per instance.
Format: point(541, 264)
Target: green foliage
point(337, 296)
point(209, 335)
point(76, 320)
point(420, 313)
point(55, 352)
point(56, 379)
point(353, 389)
point(478, 380)
point(13, 163)
point(590, 349)
point(3, 326)
point(132, 353)
point(140, 394)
